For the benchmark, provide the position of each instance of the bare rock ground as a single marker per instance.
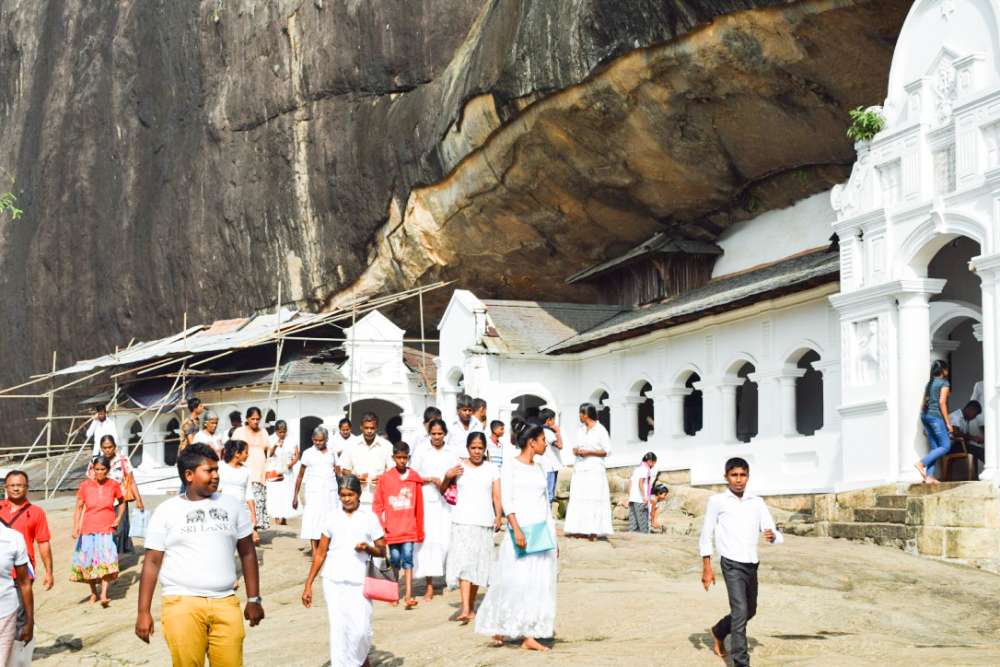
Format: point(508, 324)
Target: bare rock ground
point(633, 599)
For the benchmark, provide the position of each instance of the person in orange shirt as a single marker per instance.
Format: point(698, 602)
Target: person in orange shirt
point(95, 558)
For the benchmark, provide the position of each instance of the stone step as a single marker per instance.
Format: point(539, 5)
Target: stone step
point(893, 501)
point(880, 533)
point(881, 515)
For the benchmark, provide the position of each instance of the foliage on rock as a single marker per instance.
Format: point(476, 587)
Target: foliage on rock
point(8, 205)
point(865, 123)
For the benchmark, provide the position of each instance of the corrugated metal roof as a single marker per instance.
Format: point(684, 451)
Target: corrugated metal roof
point(528, 327)
point(220, 335)
point(726, 293)
point(306, 371)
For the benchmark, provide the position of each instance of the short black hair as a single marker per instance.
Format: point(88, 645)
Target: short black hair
point(589, 409)
point(494, 424)
point(649, 456)
point(463, 401)
point(15, 473)
point(478, 403)
point(660, 488)
point(975, 405)
point(193, 456)
point(343, 421)
point(369, 417)
point(737, 462)
point(431, 413)
point(235, 416)
point(193, 403)
point(546, 414)
point(100, 408)
point(231, 448)
point(400, 448)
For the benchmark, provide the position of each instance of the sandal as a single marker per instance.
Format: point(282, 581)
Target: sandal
point(411, 603)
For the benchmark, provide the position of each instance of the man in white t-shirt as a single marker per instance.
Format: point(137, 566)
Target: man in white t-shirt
point(101, 426)
point(640, 494)
point(551, 461)
point(190, 541)
point(459, 430)
point(15, 577)
point(367, 458)
point(965, 423)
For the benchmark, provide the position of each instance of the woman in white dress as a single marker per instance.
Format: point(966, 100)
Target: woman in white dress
point(521, 599)
point(234, 476)
point(589, 511)
point(317, 471)
point(432, 464)
point(280, 461)
point(474, 519)
point(350, 538)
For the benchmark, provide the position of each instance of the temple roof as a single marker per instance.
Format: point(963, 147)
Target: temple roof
point(529, 327)
point(659, 244)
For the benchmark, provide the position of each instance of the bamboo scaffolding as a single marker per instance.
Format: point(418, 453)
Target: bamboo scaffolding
point(48, 431)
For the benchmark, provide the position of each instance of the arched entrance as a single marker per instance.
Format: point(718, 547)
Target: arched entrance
point(386, 412)
point(171, 442)
point(307, 425)
point(528, 406)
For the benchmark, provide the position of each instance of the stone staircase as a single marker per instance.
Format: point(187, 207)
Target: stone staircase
point(955, 521)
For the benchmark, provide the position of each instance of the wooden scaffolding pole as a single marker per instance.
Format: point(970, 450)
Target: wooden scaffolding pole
point(48, 431)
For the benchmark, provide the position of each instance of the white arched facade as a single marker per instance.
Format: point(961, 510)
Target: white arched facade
point(930, 177)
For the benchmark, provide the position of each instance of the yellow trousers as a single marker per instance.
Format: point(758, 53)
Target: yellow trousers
point(194, 626)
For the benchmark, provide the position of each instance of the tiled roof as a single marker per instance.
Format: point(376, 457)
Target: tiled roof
point(528, 327)
point(725, 293)
point(660, 243)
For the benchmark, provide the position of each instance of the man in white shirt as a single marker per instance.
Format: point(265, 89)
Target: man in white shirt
point(459, 430)
point(551, 461)
point(735, 520)
point(15, 592)
point(479, 413)
point(965, 423)
point(190, 542)
point(368, 457)
point(424, 439)
point(100, 426)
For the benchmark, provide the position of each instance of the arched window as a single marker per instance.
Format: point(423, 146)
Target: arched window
point(134, 446)
point(645, 412)
point(392, 429)
point(306, 427)
point(603, 409)
point(528, 405)
point(746, 404)
point(269, 422)
point(171, 442)
point(809, 396)
point(693, 405)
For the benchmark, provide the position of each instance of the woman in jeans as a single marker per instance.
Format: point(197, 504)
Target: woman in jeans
point(935, 418)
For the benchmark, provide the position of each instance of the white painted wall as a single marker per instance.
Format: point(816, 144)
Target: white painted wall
point(768, 336)
point(775, 235)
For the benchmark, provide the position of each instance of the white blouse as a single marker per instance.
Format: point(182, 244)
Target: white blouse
point(596, 437)
point(524, 492)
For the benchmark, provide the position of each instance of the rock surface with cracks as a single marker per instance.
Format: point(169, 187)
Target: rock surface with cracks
point(187, 157)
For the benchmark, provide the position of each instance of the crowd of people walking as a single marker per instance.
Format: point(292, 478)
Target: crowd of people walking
point(468, 506)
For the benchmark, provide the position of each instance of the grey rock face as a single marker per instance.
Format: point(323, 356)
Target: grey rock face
point(189, 156)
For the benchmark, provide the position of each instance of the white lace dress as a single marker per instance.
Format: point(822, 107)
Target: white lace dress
point(521, 600)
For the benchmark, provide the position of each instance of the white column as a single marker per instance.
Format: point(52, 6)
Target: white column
point(152, 449)
point(914, 362)
point(832, 378)
point(727, 410)
point(670, 414)
point(988, 269)
point(626, 422)
point(786, 388)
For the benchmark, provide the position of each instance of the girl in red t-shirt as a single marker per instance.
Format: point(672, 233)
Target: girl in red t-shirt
point(95, 558)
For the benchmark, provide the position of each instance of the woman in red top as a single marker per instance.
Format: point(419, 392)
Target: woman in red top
point(95, 558)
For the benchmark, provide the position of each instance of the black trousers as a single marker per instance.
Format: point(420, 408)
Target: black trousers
point(741, 584)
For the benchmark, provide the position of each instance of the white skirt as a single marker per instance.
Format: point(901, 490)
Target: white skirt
point(589, 508)
point(319, 504)
point(470, 554)
point(521, 599)
point(279, 498)
point(429, 556)
point(350, 616)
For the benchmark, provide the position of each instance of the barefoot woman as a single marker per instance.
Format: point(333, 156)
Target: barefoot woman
point(936, 422)
point(95, 559)
point(521, 600)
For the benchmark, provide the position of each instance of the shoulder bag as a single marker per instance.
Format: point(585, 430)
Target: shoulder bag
point(380, 583)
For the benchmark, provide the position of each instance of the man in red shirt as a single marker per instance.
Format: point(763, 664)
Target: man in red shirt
point(17, 512)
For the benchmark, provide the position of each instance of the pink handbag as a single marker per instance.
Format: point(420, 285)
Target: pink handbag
point(380, 584)
point(450, 494)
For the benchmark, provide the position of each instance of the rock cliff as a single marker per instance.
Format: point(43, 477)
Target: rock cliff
point(189, 156)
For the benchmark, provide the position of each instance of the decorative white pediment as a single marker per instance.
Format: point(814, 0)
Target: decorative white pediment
point(375, 327)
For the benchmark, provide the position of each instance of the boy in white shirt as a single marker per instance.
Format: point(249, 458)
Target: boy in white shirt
point(735, 519)
point(551, 463)
point(190, 542)
point(640, 494)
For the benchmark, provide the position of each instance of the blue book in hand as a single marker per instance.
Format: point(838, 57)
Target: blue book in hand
point(538, 538)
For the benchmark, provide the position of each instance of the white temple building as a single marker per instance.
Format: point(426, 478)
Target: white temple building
point(802, 339)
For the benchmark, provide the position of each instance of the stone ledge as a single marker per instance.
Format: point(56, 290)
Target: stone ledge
point(880, 515)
